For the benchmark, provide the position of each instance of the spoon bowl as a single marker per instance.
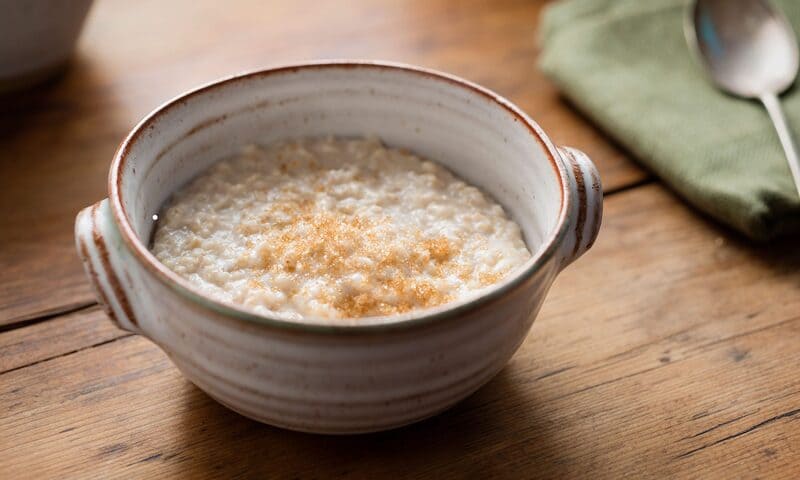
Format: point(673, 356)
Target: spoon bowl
point(749, 50)
point(748, 47)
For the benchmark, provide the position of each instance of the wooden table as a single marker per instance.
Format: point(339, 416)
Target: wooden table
point(670, 350)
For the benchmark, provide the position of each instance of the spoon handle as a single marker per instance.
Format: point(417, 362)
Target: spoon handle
point(775, 111)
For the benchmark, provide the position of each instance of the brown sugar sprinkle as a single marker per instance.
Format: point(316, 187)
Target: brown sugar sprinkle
point(439, 248)
point(321, 244)
point(490, 278)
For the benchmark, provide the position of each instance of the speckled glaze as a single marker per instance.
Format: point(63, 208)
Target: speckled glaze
point(316, 377)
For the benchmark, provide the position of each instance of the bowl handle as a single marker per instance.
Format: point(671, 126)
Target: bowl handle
point(100, 249)
point(585, 201)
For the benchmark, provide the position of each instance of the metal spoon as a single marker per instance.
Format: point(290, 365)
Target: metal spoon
point(749, 50)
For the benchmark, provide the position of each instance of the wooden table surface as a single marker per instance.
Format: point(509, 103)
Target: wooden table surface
point(670, 350)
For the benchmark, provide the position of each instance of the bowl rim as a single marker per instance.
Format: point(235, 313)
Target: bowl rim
point(370, 324)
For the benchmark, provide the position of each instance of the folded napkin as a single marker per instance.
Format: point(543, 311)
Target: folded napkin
point(625, 64)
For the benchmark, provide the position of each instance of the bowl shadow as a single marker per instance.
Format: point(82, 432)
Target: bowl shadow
point(477, 437)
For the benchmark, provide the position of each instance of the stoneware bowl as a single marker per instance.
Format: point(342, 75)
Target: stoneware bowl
point(382, 372)
point(37, 38)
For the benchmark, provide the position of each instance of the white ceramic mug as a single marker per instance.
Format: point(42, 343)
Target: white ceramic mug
point(385, 371)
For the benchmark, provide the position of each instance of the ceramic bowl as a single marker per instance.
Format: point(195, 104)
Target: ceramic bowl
point(384, 371)
point(37, 38)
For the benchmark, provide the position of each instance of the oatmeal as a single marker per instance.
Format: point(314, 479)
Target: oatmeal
point(334, 228)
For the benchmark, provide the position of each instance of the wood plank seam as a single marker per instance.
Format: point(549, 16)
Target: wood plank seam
point(773, 419)
point(624, 188)
point(65, 354)
point(704, 347)
point(700, 349)
point(719, 425)
point(54, 312)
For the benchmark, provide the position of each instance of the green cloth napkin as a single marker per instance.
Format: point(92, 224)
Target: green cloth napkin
point(625, 64)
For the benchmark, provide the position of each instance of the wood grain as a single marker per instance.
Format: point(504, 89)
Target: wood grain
point(56, 142)
point(669, 351)
point(87, 327)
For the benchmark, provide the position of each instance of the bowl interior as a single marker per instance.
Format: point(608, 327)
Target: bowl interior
point(480, 138)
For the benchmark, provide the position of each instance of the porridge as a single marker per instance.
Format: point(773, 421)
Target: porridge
point(335, 228)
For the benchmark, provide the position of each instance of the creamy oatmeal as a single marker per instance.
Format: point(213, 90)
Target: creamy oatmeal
point(335, 228)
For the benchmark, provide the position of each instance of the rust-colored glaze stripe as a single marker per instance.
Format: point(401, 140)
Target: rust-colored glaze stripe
point(579, 225)
point(118, 291)
point(598, 190)
point(100, 293)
